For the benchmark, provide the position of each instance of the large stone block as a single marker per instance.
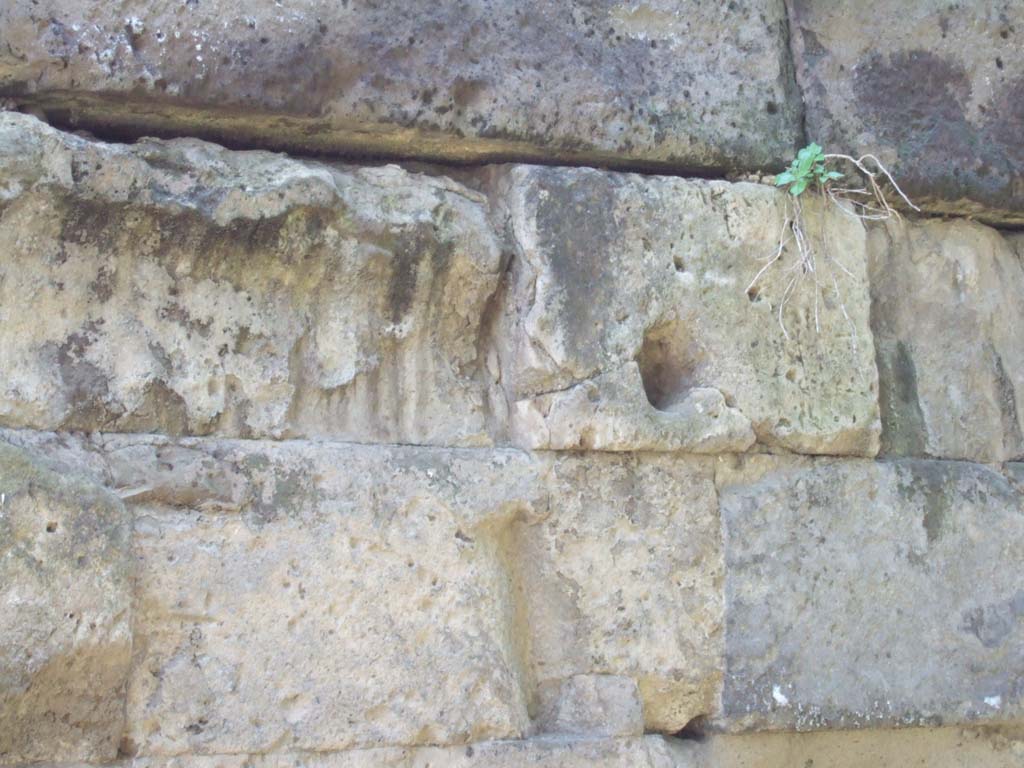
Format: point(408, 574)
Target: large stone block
point(949, 334)
point(709, 85)
point(873, 748)
point(630, 324)
point(870, 594)
point(324, 596)
point(65, 614)
point(180, 287)
point(935, 89)
point(361, 598)
point(625, 578)
point(642, 752)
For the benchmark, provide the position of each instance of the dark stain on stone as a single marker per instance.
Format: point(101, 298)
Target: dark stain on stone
point(932, 522)
point(574, 219)
point(467, 91)
point(1013, 439)
point(813, 49)
point(92, 222)
point(931, 485)
point(291, 78)
point(292, 493)
point(916, 101)
point(162, 410)
point(102, 288)
point(409, 249)
point(175, 313)
point(405, 268)
point(993, 623)
point(903, 427)
point(1005, 124)
point(84, 383)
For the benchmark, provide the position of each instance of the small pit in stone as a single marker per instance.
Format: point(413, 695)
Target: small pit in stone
point(667, 364)
point(695, 730)
point(51, 527)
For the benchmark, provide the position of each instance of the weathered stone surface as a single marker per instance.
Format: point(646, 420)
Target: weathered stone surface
point(629, 289)
point(707, 86)
point(870, 593)
point(361, 598)
point(65, 614)
point(611, 412)
point(180, 287)
point(625, 578)
point(935, 89)
point(643, 752)
point(876, 748)
point(590, 705)
point(585, 589)
point(931, 747)
point(949, 334)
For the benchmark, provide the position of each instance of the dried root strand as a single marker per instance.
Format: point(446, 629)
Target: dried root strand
point(868, 203)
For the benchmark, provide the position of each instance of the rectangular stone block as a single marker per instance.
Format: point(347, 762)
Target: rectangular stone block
point(949, 333)
point(934, 89)
point(65, 614)
point(877, 747)
point(360, 598)
point(870, 594)
point(179, 287)
point(624, 577)
point(640, 752)
point(708, 85)
point(307, 595)
point(635, 322)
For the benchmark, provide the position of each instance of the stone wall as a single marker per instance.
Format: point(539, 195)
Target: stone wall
point(459, 435)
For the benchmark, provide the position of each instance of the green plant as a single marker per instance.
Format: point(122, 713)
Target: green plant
point(809, 166)
point(863, 198)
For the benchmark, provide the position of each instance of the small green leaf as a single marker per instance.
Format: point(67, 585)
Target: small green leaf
point(833, 175)
point(798, 187)
point(786, 177)
point(813, 148)
point(806, 161)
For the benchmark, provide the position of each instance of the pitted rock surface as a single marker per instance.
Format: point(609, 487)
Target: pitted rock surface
point(934, 89)
point(709, 85)
point(65, 613)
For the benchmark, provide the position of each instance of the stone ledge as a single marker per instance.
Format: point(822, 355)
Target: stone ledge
point(709, 88)
point(931, 747)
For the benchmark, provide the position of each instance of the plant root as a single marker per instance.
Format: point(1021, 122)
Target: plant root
point(867, 203)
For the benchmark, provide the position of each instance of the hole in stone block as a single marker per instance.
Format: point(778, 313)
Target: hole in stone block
point(51, 527)
point(695, 730)
point(667, 363)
